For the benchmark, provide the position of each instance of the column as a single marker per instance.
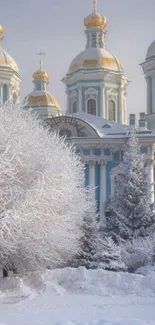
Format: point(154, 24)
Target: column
point(68, 110)
point(102, 101)
point(80, 98)
point(92, 176)
point(102, 190)
point(10, 92)
point(120, 105)
point(1, 94)
point(151, 172)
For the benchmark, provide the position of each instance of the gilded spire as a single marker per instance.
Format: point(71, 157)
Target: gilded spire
point(95, 5)
point(40, 74)
point(40, 61)
point(1, 32)
point(1, 35)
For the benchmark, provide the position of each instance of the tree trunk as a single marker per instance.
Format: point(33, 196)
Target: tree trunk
point(5, 273)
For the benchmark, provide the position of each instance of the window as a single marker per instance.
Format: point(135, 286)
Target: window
point(75, 107)
point(93, 39)
point(65, 133)
point(38, 86)
point(106, 126)
point(91, 106)
point(111, 110)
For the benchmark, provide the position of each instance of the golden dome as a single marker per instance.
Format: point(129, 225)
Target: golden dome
point(1, 32)
point(39, 99)
point(7, 61)
point(41, 75)
point(95, 58)
point(95, 20)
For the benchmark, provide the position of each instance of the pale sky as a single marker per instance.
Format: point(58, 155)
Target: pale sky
point(56, 27)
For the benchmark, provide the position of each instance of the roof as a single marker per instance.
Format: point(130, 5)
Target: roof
point(103, 127)
point(95, 58)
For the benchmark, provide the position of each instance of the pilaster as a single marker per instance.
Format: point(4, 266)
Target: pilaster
point(92, 176)
point(102, 190)
point(79, 98)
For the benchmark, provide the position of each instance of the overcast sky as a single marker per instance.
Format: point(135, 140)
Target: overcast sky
point(56, 27)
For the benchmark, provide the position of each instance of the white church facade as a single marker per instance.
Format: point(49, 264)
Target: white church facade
point(95, 120)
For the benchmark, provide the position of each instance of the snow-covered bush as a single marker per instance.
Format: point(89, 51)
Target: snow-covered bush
point(138, 253)
point(129, 212)
point(42, 199)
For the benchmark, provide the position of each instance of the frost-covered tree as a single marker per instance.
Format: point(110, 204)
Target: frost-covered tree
point(96, 251)
point(41, 185)
point(130, 214)
point(109, 255)
point(89, 240)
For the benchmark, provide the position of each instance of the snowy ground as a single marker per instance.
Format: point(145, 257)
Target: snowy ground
point(81, 297)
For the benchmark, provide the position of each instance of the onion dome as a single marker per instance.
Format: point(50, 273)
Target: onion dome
point(95, 20)
point(6, 61)
point(41, 75)
point(151, 51)
point(41, 99)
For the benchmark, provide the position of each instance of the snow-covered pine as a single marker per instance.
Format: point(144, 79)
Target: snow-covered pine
point(41, 185)
point(130, 214)
point(87, 255)
point(109, 255)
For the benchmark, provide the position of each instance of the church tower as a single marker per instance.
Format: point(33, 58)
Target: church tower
point(95, 82)
point(10, 79)
point(148, 67)
point(40, 100)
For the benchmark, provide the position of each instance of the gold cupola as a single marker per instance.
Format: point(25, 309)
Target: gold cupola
point(95, 20)
point(40, 100)
point(41, 75)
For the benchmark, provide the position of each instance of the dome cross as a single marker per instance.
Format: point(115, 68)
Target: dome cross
point(40, 61)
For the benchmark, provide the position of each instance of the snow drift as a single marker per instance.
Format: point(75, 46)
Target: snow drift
point(78, 297)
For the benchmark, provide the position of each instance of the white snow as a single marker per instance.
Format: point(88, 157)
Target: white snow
point(115, 129)
point(78, 297)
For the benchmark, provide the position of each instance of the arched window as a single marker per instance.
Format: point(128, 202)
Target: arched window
point(111, 110)
point(75, 107)
point(93, 39)
point(91, 106)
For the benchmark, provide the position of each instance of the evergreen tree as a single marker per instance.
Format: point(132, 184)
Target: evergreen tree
point(130, 214)
point(109, 255)
point(96, 251)
point(87, 255)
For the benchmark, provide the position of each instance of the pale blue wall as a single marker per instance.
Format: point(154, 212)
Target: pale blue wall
point(98, 88)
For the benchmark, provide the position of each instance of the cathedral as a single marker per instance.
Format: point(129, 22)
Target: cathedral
point(95, 119)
